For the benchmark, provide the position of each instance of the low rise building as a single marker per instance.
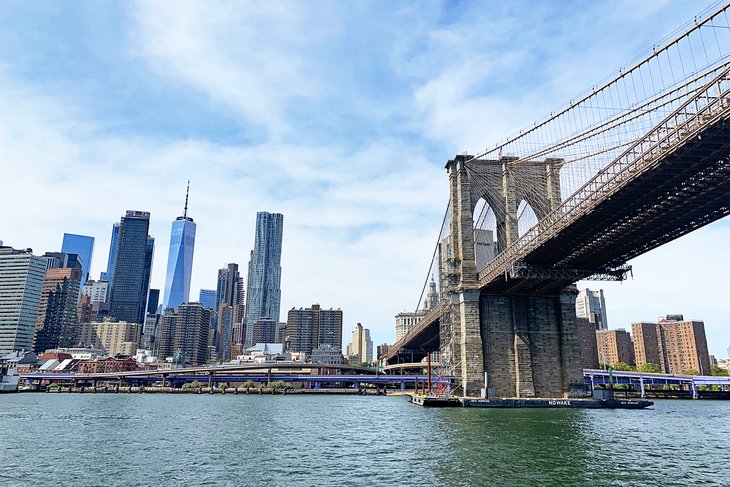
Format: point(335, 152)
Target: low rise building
point(144, 357)
point(326, 354)
point(109, 364)
point(261, 353)
point(79, 353)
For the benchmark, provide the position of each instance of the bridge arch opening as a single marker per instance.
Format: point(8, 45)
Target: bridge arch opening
point(526, 218)
point(485, 234)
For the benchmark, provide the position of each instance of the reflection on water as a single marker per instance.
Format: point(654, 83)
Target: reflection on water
point(51, 439)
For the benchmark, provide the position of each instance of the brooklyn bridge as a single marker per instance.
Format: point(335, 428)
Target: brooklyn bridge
point(636, 161)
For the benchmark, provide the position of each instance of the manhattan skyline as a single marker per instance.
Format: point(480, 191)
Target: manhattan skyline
point(359, 178)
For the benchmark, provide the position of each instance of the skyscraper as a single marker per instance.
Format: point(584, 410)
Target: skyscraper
point(149, 256)
point(109, 274)
point(153, 301)
point(132, 267)
point(57, 316)
point(264, 331)
point(591, 304)
point(683, 345)
point(586, 332)
point(180, 259)
point(21, 279)
point(229, 310)
point(361, 348)
point(82, 246)
point(186, 329)
point(207, 298)
point(263, 296)
point(310, 328)
point(646, 343)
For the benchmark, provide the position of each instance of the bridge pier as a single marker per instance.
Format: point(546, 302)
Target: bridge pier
point(530, 345)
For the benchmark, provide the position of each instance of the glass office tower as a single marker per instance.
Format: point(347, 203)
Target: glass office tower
point(207, 298)
point(180, 260)
point(82, 246)
point(132, 267)
point(21, 280)
point(263, 296)
point(109, 274)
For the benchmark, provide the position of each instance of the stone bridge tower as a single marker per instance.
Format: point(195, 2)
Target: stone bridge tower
point(520, 345)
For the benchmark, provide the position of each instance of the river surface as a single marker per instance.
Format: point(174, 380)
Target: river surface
point(138, 439)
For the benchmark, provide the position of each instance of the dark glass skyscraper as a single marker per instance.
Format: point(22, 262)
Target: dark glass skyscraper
point(263, 297)
point(82, 246)
point(132, 267)
point(153, 300)
point(57, 314)
point(149, 255)
point(180, 260)
point(109, 274)
point(229, 309)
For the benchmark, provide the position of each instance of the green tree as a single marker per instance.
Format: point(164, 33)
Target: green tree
point(719, 371)
point(649, 367)
point(623, 366)
point(191, 385)
point(691, 372)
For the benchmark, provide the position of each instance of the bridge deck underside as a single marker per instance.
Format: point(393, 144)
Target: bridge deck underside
point(684, 191)
point(417, 345)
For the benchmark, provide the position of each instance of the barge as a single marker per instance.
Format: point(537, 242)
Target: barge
point(468, 402)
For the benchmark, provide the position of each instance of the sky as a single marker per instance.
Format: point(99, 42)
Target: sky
point(340, 115)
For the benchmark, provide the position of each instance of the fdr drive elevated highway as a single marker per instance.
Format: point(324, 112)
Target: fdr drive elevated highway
point(314, 375)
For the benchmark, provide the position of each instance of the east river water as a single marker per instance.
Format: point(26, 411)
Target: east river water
point(138, 439)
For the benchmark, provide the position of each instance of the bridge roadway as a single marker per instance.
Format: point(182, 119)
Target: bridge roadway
point(414, 366)
point(651, 201)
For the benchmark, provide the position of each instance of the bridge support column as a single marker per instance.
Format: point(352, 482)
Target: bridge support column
point(464, 350)
point(530, 345)
point(470, 366)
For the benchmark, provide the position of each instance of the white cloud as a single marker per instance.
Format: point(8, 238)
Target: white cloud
point(357, 225)
point(344, 115)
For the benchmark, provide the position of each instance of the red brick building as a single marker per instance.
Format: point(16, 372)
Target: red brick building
point(108, 364)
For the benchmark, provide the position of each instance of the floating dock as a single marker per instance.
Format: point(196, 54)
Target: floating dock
point(445, 402)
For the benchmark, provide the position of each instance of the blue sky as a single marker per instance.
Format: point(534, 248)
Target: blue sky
point(340, 115)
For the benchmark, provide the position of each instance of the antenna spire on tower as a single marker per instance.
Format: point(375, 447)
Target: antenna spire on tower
point(187, 193)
